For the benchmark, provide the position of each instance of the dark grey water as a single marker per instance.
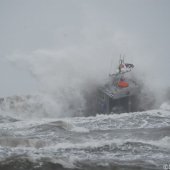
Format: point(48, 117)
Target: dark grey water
point(129, 141)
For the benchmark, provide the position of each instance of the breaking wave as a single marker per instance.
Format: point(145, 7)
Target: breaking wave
point(138, 140)
point(31, 106)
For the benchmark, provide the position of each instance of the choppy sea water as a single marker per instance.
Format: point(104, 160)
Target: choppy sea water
point(127, 141)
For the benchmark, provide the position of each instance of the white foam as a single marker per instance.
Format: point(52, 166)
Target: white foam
point(145, 119)
point(80, 129)
point(165, 106)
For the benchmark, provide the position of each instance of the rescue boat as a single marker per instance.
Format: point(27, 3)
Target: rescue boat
point(120, 93)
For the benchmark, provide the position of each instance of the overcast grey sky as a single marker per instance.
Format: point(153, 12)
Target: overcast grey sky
point(138, 28)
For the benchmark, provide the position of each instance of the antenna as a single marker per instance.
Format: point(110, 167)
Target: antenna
point(120, 59)
point(124, 56)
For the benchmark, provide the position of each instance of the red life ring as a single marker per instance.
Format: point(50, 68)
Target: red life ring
point(123, 84)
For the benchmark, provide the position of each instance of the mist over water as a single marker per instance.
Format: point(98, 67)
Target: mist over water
point(69, 77)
